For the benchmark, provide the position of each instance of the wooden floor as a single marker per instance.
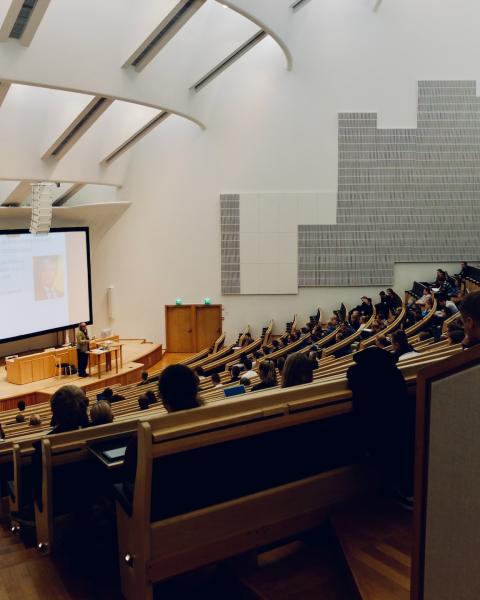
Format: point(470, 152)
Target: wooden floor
point(133, 351)
point(376, 539)
point(312, 571)
point(169, 358)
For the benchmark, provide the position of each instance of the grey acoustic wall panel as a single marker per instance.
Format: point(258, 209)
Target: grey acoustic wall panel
point(230, 249)
point(404, 195)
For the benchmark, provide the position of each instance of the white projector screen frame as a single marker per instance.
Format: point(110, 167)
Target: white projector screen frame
point(63, 327)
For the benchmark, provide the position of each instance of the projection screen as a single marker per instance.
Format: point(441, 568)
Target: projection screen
point(45, 282)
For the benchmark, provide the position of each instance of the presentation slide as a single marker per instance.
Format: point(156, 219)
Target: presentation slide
point(44, 282)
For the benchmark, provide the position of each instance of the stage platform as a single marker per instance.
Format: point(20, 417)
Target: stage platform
point(137, 356)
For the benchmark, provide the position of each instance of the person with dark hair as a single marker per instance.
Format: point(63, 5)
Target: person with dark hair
point(249, 372)
point(2, 433)
point(298, 370)
point(21, 405)
point(385, 418)
point(69, 409)
point(393, 300)
point(144, 377)
point(101, 413)
point(344, 350)
point(35, 421)
point(152, 399)
point(235, 373)
point(382, 342)
point(355, 320)
point(266, 370)
point(470, 311)
point(454, 334)
point(107, 394)
point(366, 307)
point(217, 382)
point(178, 388)
point(401, 347)
point(275, 345)
point(200, 373)
point(143, 402)
point(280, 363)
point(20, 418)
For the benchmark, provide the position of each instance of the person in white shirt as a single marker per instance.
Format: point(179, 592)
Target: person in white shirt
point(401, 348)
point(426, 295)
point(249, 372)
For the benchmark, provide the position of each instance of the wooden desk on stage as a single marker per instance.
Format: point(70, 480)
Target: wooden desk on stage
point(96, 356)
point(38, 366)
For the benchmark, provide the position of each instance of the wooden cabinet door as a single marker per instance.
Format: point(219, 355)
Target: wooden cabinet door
point(179, 324)
point(208, 325)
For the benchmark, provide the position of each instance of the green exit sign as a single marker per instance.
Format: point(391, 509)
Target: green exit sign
point(178, 301)
point(207, 300)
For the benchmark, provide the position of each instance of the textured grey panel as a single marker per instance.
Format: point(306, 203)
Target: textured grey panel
point(404, 195)
point(230, 243)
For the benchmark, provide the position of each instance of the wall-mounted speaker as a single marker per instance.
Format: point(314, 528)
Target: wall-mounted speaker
point(111, 302)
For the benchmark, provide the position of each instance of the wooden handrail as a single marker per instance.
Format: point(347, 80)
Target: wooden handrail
point(413, 329)
point(351, 338)
point(391, 327)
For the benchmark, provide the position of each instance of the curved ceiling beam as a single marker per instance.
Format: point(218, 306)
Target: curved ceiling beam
point(170, 110)
point(283, 46)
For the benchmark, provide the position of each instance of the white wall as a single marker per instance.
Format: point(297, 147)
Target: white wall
point(270, 130)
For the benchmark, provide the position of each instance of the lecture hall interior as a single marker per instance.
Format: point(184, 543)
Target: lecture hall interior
point(239, 299)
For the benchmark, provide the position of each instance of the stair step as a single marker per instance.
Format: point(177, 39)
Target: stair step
point(307, 572)
point(376, 540)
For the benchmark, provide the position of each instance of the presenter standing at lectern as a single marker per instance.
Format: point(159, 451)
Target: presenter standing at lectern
point(82, 350)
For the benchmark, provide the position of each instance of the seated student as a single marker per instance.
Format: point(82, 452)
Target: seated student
point(152, 399)
point(235, 373)
point(247, 339)
point(298, 370)
point(385, 418)
point(426, 295)
point(257, 355)
point(332, 324)
point(393, 300)
point(107, 394)
point(69, 409)
point(275, 345)
point(200, 373)
point(266, 370)
point(382, 307)
point(427, 307)
point(345, 350)
point(20, 418)
point(21, 405)
point(355, 320)
point(217, 382)
point(144, 377)
point(35, 421)
point(382, 342)
point(249, 372)
point(443, 311)
point(313, 356)
point(401, 348)
point(143, 402)
point(446, 284)
point(101, 413)
point(69, 413)
point(178, 390)
point(470, 311)
point(454, 334)
point(280, 364)
point(2, 433)
point(365, 308)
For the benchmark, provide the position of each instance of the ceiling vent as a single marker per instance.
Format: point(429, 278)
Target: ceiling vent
point(227, 62)
point(23, 19)
point(298, 4)
point(136, 137)
point(160, 37)
point(80, 125)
